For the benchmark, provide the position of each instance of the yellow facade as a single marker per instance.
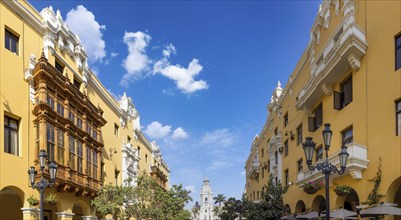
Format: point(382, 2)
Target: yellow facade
point(348, 39)
point(49, 61)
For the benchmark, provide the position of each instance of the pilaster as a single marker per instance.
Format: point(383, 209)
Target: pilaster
point(30, 213)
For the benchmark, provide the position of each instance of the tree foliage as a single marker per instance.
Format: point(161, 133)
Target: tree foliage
point(143, 200)
point(232, 209)
point(219, 199)
point(271, 205)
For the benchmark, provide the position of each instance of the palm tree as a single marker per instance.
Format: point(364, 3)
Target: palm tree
point(220, 198)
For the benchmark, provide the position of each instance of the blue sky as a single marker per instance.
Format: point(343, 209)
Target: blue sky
point(199, 72)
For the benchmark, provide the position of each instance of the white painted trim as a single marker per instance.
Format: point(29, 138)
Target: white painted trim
point(26, 14)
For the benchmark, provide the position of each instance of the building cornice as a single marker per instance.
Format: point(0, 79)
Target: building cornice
point(26, 13)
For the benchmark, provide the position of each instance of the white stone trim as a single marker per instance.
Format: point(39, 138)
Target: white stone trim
point(28, 77)
point(89, 217)
point(64, 214)
point(25, 14)
point(129, 161)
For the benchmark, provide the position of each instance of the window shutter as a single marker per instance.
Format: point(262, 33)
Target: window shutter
point(312, 124)
point(348, 91)
point(338, 100)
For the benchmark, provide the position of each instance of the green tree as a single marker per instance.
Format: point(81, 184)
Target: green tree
point(219, 199)
point(144, 200)
point(271, 205)
point(114, 200)
point(232, 209)
point(174, 202)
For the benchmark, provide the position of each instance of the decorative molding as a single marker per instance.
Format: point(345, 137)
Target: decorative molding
point(356, 173)
point(328, 90)
point(129, 161)
point(354, 61)
point(28, 77)
point(26, 14)
point(336, 4)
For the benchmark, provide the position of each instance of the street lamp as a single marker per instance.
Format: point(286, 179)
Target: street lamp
point(42, 184)
point(326, 167)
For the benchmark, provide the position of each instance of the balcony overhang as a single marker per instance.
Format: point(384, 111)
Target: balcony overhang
point(357, 162)
point(254, 170)
point(337, 57)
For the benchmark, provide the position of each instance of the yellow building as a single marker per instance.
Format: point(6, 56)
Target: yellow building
point(348, 76)
point(51, 100)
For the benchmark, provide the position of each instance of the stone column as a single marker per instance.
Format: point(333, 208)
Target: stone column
point(30, 213)
point(64, 215)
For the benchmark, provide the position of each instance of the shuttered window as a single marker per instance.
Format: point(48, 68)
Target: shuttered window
point(398, 117)
point(286, 148)
point(398, 52)
point(71, 147)
point(60, 146)
point(79, 156)
point(344, 97)
point(316, 121)
point(346, 88)
point(299, 134)
point(50, 141)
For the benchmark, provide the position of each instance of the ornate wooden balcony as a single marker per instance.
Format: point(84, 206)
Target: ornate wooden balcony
point(158, 176)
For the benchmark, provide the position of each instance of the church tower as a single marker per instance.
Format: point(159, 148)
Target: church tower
point(206, 203)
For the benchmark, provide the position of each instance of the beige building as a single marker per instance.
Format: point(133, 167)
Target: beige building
point(348, 76)
point(51, 100)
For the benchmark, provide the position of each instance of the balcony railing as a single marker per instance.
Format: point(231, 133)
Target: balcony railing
point(357, 162)
point(254, 169)
point(69, 180)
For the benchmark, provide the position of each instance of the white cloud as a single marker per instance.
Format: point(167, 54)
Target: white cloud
point(183, 77)
point(82, 22)
point(114, 54)
point(190, 188)
point(220, 137)
point(169, 49)
point(156, 130)
point(137, 61)
point(179, 133)
point(243, 173)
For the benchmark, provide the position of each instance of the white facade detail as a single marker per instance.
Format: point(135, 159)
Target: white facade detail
point(57, 33)
point(206, 202)
point(357, 162)
point(130, 161)
point(275, 149)
point(29, 77)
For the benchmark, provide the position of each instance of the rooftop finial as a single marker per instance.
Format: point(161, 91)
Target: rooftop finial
point(279, 84)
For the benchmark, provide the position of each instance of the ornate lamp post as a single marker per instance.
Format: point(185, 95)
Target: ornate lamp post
point(326, 167)
point(42, 184)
